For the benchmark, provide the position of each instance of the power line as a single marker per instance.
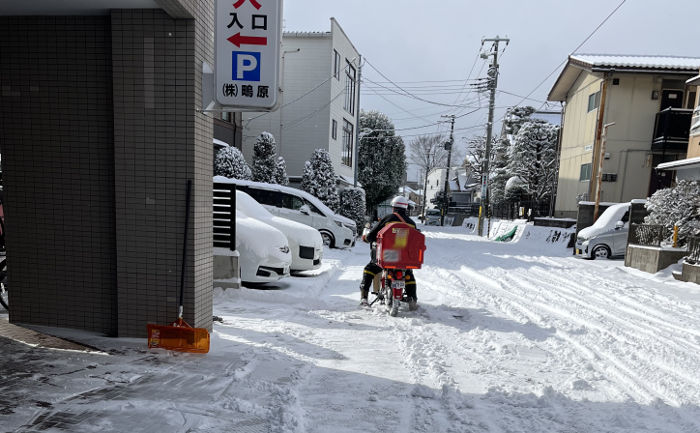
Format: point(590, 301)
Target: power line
point(575, 49)
point(405, 92)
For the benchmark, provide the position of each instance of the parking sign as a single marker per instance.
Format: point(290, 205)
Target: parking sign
point(248, 39)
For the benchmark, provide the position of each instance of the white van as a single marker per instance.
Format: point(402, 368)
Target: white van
point(607, 237)
point(336, 230)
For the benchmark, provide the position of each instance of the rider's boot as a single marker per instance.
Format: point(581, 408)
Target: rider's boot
point(363, 297)
point(411, 295)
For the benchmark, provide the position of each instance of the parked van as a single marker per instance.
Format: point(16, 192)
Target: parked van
point(607, 237)
point(432, 217)
point(336, 230)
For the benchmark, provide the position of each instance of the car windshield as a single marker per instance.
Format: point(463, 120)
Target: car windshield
point(250, 207)
point(612, 215)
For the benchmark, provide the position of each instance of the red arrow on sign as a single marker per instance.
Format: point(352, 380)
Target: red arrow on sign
point(237, 40)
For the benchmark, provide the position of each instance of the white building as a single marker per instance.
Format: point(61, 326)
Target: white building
point(319, 102)
point(462, 188)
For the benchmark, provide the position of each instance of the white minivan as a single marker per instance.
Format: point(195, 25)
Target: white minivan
point(336, 230)
point(607, 237)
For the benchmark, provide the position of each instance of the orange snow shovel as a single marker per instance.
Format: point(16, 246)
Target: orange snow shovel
point(180, 335)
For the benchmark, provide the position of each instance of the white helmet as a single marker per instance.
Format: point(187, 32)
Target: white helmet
point(400, 201)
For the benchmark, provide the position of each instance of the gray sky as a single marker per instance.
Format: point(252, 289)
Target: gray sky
point(429, 47)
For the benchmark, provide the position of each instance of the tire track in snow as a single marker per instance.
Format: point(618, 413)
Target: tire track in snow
point(627, 331)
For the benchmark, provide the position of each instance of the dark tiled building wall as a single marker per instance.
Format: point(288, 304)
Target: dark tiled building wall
point(160, 141)
point(56, 140)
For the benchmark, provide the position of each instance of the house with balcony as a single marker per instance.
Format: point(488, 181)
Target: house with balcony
point(623, 116)
point(689, 168)
point(318, 106)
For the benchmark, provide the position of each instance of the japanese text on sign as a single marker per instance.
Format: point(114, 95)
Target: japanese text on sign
point(247, 52)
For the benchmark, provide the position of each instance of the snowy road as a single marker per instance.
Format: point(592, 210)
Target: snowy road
point(509, 337)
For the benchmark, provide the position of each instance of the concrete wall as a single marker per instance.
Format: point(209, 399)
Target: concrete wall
point(651, 259)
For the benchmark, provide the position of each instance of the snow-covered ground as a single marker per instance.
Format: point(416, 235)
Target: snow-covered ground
point(509, 337)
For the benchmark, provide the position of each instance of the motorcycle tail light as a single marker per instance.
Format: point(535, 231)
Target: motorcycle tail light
point(399, 275)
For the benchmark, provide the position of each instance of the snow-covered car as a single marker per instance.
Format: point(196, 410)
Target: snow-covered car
point(264, 251)
point(432, 217)
point(336, 230)
point(305, 242)
point(607, 237)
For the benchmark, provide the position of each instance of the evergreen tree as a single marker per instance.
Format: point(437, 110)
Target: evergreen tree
point(382, 159)
point(230, 163)
point(264, 159)
point(352, 205)
point(532, 158)
point(678, 206)
point(499, 167)
point(281, 172)
point(319, 179)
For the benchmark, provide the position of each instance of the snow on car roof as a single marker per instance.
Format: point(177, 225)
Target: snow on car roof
point(275, 187)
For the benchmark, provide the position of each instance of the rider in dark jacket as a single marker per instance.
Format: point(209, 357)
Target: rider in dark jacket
point(399, 214)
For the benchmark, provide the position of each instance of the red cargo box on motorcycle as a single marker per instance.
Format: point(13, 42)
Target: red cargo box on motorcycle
point(400, 246)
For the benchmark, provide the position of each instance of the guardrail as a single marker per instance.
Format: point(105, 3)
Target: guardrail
point(224, 214)
point(646, 235)
point(693, 256)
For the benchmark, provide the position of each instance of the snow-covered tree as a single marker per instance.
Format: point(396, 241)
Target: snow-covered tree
point(382, 159)
point(264, 158)
point(352, 205)
point(281, 172)
point(499, 168)
point(679, 206)
point(532, 158)
point(319, 178)
point(230, 162)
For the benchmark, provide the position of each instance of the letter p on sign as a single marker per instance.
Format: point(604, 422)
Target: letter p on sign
point(246, 66)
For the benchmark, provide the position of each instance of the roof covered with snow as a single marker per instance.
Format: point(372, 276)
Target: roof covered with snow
point(636, 62)
point(680, 164)
point(619, 63)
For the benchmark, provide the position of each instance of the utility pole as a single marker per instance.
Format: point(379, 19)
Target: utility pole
point(356, 152)
point(448, 146)
point(492, 83)
point(599, 177)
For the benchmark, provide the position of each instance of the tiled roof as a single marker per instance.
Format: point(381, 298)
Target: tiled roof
point(635, 61)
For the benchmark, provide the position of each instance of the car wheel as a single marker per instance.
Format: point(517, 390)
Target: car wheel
point(328, 239)
point(601, 252)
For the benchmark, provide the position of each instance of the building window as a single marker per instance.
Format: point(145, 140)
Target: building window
point(336, 64)
point(226, 116)
point(593, 101)
point(334, 129)
point(347, 143)
point(585, 172)
point(349, 88)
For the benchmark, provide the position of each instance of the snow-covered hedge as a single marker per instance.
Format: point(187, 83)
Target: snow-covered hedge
point(677, 206)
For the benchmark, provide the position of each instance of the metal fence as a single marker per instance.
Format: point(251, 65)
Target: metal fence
point(693, 256)
point(225, 215)
point(647, 235)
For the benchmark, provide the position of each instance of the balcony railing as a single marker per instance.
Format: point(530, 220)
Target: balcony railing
point(671, 130)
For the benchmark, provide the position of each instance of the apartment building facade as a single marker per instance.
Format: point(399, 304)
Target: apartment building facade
point(650, 104)
point(319, 103)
